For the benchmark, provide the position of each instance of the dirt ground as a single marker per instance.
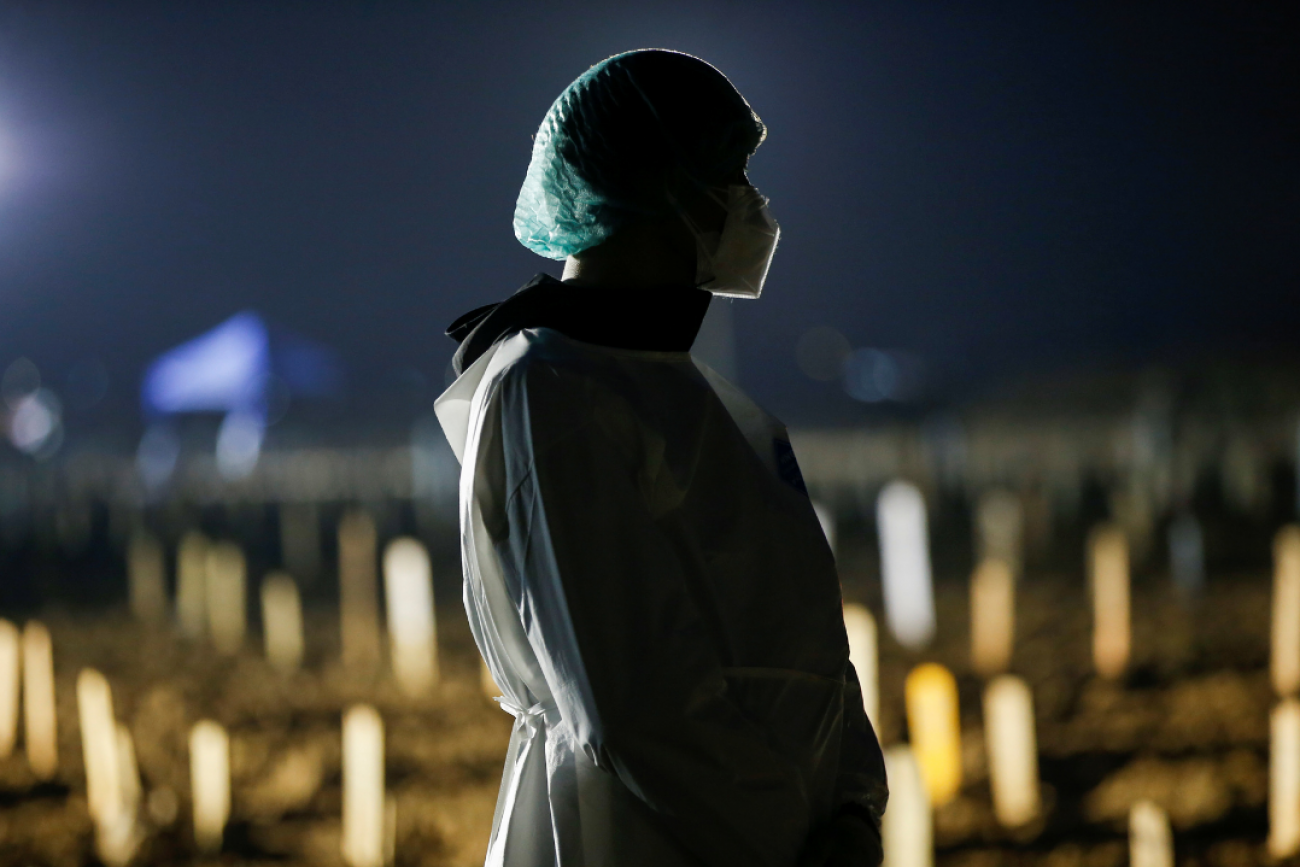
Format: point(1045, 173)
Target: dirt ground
point(444, 752)
point(1188, 728)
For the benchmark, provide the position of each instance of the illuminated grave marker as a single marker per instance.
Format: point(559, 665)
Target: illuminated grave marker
point(905, 830)
point(191, 584)
point(209, 783)
point(117, 842)
point(408, 589)
point(145, 576)
point(861, 629)
point(1286, 611)
point(999, 521)
point(1108, 560)
point(905, 564)
point(992, 617)
point(10, 686)
point(282, 622)
point(1150, 842)
point(98, 744)
point(359, 608)
point(128, 771)
point(364, 806)
point(935, 729)
point(226, 597)
point(1284, 780)
point(40, 723)
point(1012, 750)
point(111, 796)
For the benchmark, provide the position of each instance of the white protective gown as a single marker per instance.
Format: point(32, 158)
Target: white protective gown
point(652, 592)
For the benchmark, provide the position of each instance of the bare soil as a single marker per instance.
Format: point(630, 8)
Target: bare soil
point(1188, 727)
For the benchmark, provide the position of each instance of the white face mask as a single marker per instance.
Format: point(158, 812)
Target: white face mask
point(734, 262)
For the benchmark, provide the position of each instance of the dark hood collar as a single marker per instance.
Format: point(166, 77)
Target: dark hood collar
point(658, 319)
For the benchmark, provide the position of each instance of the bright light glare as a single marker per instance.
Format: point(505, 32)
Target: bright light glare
point(31, 425)
point(36, 425)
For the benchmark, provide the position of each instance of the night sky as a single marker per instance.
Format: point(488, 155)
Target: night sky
point(999, 188)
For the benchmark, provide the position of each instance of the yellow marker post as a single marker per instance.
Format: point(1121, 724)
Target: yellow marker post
point(364, 802)
point(992, 617)
point(226, 597)
point(412, 633)
point(209, 783)
point(1285, 658)
point(98, 744)
point(861, 628)
point(906, 831)
point(1150, 842)
point(934, 723)
point(191, 584)
point(128, 771)
point(108, 789)
point(1109, 573)
point(116, 841)
point(282, 622)
point(10, 685)
point(1012, 746)
point(40, 722)
point(1284, 780)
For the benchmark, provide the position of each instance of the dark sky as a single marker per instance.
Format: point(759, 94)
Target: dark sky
point(1000, 188)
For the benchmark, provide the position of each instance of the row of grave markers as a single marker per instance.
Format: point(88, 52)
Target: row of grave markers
point(211, 583)
point(926, 773)
point(114, 793)
point(211, 588)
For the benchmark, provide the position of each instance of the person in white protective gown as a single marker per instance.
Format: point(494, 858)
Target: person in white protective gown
point(644, 573)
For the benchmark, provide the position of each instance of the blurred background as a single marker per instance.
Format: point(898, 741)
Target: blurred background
point(1043, 252)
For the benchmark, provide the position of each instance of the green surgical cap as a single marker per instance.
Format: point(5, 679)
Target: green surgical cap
point(627, 137)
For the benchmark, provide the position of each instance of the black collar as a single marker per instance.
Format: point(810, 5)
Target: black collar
point(660, 318)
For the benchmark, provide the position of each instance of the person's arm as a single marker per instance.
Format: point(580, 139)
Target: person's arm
point(602, 596)
point(851, 837)
point(862, 790)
